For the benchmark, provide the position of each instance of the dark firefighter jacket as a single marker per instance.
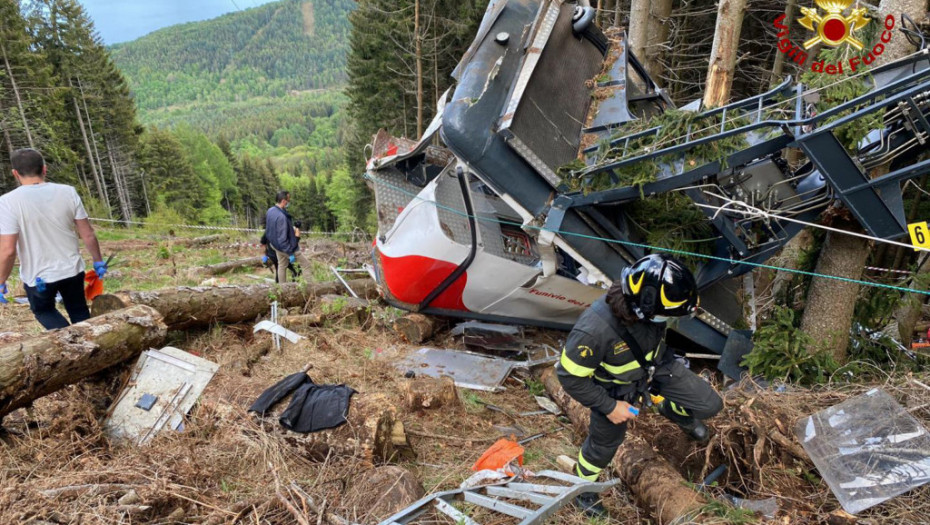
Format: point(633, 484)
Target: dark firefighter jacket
point(596, 360)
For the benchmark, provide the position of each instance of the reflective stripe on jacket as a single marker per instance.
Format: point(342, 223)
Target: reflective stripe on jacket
point(596, 359)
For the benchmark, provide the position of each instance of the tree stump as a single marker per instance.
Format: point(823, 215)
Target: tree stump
point(414, 328)
point(430, 393)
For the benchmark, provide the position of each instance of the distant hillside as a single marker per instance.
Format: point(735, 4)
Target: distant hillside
point(264, 51)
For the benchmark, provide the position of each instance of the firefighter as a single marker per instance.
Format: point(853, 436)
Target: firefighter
point(615, 357)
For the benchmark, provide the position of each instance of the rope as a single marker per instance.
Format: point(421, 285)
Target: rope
point(752, 210)
point(648, 246)
point(354, 234)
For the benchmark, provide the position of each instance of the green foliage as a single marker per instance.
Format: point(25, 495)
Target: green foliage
point(833, 93)
point(536, 387)
point(342, 198)
point(782, 351)
point(731, 515)
point(163, 253)
point(270, 50)
point(163, 220)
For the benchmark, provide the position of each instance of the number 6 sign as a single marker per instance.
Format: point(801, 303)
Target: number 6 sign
point(920, 235)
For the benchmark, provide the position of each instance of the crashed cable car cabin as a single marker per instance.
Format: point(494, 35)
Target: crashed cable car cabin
point(488, 226)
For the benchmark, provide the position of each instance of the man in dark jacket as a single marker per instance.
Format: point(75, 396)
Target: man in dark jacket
point(616, 356)
point(279, 230)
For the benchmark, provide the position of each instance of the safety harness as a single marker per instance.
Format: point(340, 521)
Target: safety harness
point(642, 386)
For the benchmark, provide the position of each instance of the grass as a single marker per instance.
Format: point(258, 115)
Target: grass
point(730, 514)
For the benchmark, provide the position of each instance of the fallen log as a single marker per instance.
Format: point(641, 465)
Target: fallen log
point(39, 365)
point(199, 241)
point(652, 480)
point(221, 268)
point(187, 307)
point(301, 321)
point(414, 328)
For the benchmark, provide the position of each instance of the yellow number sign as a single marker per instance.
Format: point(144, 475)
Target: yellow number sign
point(920, 235)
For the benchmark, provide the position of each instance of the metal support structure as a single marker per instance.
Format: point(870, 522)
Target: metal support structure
point(549, 491)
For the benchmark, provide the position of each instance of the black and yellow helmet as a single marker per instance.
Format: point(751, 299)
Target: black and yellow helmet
point(659, 285)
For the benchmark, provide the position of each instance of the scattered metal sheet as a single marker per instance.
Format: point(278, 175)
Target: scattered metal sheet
point(548, 404)
point(868, 449)
point(490, 336)
point(277, 329)
point(467, 369)
point(168, 382)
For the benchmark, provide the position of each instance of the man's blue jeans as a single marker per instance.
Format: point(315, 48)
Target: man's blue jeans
point(42, 303)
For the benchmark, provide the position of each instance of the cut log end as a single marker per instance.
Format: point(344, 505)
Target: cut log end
point(430, 393)
point(414, 328)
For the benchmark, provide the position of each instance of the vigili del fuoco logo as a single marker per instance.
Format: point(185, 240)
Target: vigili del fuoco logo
point(833, 24)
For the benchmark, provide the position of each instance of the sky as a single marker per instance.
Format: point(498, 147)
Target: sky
point(123, 20)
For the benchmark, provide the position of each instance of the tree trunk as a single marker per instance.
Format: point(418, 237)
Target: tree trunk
point(19, 100)
point(639, 29)
point(93, 141)
point(42, 364)
point(908, 313)
point(831, 303)
point(419, 57)
point(90, 156)
point(723, 54)
point(187, 307)
point(828, 313)
point(217, 269)
point(6, 134)
point(414, 328)
point(617, 13)
point(430, 393)
point(778, 68)
point(657, 40)
point(656, 484)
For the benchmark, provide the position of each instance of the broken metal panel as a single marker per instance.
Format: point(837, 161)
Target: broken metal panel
point(490, 336)
point(542, 120)
point(467, 369)
point(868, 449)
point(164, 385)
point(278, 330)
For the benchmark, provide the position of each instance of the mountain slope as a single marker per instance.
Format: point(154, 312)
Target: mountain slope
point(264, 51)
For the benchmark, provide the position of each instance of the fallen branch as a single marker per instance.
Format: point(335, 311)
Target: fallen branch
point(90, 489)
point(221, 268)
point(451, 438)
point(299, 516)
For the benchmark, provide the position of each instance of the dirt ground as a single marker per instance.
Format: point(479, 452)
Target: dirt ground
point(58, 466)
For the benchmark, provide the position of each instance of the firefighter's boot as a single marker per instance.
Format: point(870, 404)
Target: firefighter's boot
point(694, 428)
point(590, 504)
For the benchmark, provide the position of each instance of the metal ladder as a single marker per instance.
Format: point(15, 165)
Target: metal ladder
point(549, 498)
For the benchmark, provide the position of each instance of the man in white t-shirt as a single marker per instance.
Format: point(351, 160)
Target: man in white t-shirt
point(41, 221)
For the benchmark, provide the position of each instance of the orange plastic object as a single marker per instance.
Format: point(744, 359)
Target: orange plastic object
point(94, 285)
point(500, 454)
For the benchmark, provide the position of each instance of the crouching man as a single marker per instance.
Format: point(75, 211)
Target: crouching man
point(615, 355)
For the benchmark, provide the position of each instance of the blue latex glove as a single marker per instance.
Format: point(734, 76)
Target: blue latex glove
point(634, 411)
point(101, 268)
point(3, 291)
point(264, 259)
point(292, 259)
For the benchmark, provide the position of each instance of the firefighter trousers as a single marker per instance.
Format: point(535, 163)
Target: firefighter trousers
point(688, 396)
